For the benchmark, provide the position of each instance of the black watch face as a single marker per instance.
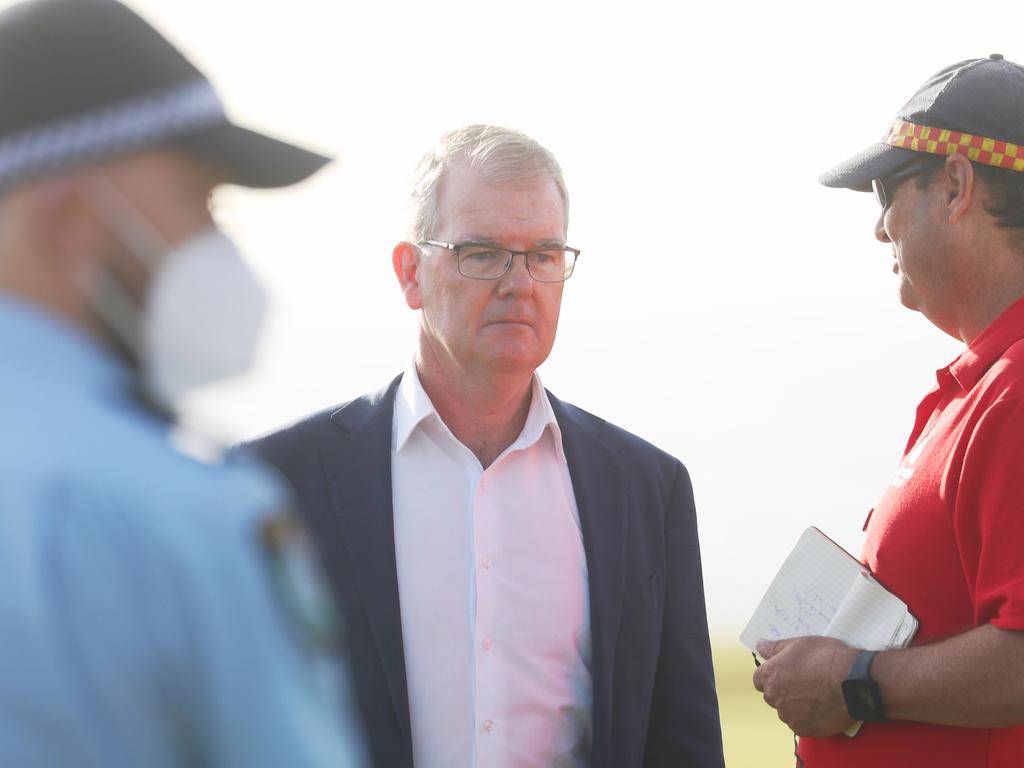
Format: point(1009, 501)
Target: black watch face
point(862, 699)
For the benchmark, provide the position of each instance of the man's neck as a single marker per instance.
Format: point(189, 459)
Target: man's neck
point(986, 276)
point(992, 294)
point(486, 413)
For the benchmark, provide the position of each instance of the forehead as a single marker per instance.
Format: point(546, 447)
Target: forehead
point(518, 209)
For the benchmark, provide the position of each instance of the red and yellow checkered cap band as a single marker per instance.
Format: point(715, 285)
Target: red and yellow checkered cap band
point(940, 141)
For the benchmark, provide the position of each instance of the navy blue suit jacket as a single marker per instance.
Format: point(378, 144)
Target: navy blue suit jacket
point(654, 690)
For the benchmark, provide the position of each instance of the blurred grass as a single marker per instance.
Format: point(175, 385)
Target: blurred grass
point(754, 736)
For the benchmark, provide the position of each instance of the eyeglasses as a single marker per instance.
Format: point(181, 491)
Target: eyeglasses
point(486, 262)
point(884, 187)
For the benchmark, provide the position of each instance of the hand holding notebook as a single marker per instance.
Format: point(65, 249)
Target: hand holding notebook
point(823, 590)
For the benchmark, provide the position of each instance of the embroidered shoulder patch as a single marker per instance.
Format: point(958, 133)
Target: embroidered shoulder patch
point(299, 580)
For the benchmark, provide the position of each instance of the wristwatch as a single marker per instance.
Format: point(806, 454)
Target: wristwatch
point(863, 699)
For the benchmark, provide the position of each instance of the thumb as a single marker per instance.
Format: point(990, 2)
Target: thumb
point(768, 648)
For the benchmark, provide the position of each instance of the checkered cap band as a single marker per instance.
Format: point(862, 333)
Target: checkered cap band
point(940, 141)
point(135, 123)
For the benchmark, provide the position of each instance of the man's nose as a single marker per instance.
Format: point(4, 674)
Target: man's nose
point(880, 234)
point(517, 279)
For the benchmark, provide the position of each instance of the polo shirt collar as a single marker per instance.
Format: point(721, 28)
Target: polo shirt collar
point(413, 407)
point(987, 346)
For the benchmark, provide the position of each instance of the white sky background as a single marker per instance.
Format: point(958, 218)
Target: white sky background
point(726, 307)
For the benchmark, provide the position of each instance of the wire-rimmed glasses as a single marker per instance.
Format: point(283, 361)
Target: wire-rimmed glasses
point(481, 261)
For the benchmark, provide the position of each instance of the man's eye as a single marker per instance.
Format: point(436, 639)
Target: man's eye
point(483, 256)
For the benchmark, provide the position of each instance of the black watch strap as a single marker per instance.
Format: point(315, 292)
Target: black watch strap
point(861, 669)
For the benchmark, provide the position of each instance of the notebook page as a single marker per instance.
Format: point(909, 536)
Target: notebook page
point(806, 592)
point(869, 616)
point(905, 633)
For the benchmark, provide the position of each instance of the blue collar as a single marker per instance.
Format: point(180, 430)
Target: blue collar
point(42, 345)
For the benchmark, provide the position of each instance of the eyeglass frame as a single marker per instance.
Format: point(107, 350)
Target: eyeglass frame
point(457, 247)
point(884, 186)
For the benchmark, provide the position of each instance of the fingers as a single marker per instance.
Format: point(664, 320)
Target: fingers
point(767, 649)
point(759, 679)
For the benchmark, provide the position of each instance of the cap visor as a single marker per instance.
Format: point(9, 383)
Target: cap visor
point(876, 161)
point(252, 159)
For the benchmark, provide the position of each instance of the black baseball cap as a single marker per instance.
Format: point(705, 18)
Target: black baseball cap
point(974, 108)
point(86, 80)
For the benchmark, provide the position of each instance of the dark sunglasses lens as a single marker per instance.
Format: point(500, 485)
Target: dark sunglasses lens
point(879, 189)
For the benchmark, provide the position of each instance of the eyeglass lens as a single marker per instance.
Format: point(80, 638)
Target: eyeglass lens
point(552, 265)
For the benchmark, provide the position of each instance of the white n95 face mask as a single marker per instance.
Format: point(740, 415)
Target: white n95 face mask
point(201, 319)
point(203, 311)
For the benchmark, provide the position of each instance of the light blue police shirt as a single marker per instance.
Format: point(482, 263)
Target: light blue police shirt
point(140, 620)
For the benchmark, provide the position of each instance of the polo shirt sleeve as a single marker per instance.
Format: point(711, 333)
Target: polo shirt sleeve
point(989, 515)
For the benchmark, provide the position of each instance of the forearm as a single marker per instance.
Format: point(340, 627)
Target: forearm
point(975, 679)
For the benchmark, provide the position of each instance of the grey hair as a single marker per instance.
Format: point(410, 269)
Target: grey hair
point(500, 154)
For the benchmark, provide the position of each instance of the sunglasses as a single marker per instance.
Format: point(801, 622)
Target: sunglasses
point(884, 187)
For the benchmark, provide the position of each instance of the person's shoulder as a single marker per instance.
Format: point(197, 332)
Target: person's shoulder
point(165, 490)
point(116, 447)
point(1004, 380)
point(113, 480)
point(295, 441)
point(1013, 359)
point(630, 449)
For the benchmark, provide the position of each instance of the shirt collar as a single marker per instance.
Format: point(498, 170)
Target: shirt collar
point(413, 406)
point(987, 347)
point(45, 346)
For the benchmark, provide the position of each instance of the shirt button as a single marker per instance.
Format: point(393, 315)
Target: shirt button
point(487, 644)
point(486, 563)
point(488, 725)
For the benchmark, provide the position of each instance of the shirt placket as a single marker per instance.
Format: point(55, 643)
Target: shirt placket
point(487, 678)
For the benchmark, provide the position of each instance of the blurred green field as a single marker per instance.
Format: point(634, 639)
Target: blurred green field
point(754, 736)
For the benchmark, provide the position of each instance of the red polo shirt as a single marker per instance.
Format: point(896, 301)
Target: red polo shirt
point(948, 538)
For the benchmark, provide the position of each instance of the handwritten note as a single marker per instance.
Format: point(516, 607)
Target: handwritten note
point(822, 590)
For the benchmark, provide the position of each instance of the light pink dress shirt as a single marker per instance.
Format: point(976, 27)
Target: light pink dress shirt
point(492, 581)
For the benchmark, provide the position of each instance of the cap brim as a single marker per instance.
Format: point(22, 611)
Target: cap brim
point(876, 161)
point(252, 159)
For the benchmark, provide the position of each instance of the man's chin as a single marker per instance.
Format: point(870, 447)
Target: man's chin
point(908, 297)
point(514, 360)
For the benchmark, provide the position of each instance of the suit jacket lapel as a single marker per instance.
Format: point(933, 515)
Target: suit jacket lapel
point(358, 470)
point(599, 486)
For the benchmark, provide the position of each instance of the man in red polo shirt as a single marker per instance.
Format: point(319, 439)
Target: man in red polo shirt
point(947, 535)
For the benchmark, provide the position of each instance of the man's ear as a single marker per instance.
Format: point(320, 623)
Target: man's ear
point(405, 260)
point(960, 186)
point(61, 224)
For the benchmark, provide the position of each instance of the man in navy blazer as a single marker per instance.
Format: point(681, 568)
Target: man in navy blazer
point(545, 605)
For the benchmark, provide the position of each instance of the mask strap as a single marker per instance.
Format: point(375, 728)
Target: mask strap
point(127, 223)
point(115, 306)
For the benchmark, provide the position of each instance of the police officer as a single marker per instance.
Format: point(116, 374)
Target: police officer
point(154, 610)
